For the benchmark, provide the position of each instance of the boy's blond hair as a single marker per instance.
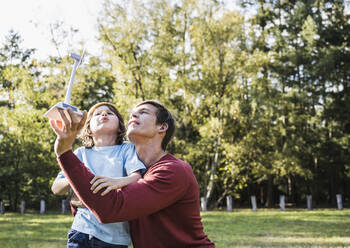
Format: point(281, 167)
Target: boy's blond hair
point(86, 135)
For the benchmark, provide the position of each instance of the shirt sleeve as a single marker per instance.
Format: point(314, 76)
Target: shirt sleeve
point(78, 153)
point(60, 175)
point(157, 190)
point(132, 162)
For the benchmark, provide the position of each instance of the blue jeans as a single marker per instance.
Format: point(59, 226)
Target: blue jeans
point(81, 240)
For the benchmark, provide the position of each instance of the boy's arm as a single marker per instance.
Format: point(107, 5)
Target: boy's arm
point(100, 182)
point(60, 186)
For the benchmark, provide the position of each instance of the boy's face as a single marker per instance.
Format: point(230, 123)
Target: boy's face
point(143, 121)
point(104, 119)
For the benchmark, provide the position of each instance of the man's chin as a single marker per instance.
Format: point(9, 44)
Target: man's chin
point(134, 135)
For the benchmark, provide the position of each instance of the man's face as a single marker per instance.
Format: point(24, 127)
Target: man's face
point(143, 121)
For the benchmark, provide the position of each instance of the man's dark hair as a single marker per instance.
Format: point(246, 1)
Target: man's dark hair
point(163, 116)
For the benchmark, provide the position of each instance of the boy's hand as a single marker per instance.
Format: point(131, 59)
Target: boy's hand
point(67, 129)
point(76, 202)
point(100, 182)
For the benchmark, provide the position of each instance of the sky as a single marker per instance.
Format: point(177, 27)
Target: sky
point(32, 20)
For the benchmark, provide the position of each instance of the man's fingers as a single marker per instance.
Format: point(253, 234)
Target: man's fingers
point(82, 121)
point(65, 134)
point(56, 127)
point(75, 120)
point(59, 124)
point(64, 118)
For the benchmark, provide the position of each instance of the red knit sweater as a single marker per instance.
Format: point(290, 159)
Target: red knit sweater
point(162, 208)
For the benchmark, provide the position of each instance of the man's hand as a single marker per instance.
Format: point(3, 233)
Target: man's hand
point(67, 129)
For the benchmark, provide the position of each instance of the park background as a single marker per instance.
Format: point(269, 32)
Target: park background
point(260, 93)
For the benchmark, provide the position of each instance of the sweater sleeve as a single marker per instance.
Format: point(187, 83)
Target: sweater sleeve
point(160, 188)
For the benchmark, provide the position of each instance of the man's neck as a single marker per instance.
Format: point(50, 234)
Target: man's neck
point(149, 153)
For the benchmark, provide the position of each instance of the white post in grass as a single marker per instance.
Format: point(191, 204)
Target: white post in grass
point(309, 202)
point(23, 207)
point(42, 206)
point(2, 208)
point(282, 202)
point(64, 206)
point(253, 200)
point(203, 204)
point(229, 203)
point(339, 202)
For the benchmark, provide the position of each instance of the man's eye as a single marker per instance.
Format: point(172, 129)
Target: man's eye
point(111, 113)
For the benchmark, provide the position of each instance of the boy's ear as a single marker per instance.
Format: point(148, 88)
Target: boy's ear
point(163, 127)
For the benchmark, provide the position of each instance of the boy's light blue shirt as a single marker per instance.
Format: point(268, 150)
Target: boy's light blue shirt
point(111, 161)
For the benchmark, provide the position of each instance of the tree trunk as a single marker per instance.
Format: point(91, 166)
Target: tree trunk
point(332, 183)
point(221, 198)
point(210, 186)
point(213, 165)
point(269, 200)
point(262, 196)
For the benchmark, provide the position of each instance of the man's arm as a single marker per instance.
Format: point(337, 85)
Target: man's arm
point(146, 196)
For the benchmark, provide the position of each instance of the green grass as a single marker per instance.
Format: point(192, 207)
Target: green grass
point(273, 228)
point(34, 230)
point(242, 228)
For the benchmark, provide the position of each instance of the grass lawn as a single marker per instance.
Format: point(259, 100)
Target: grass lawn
point(241, 228)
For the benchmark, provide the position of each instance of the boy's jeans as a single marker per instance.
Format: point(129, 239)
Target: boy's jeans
point(81, 240)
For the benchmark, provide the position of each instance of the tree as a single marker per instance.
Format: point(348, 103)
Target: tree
point(303, 37)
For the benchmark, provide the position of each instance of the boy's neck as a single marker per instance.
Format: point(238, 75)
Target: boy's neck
point(104, 140)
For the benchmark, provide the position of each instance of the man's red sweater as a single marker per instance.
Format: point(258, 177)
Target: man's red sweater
point(162, 208)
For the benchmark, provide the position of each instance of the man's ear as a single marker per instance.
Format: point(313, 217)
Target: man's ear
point(163, 127)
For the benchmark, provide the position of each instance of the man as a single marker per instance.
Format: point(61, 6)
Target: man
point(163, 207)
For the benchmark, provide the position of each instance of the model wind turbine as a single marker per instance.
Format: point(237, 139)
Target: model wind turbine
point(53, 111)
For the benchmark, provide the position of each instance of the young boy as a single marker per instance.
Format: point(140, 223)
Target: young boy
point(115, 163)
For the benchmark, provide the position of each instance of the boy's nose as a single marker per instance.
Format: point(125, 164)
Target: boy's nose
point(133, 114)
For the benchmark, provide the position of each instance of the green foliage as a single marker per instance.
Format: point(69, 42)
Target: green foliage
point(261, 100)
